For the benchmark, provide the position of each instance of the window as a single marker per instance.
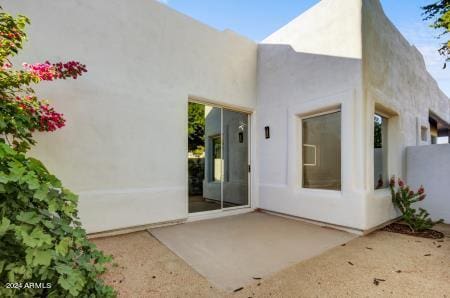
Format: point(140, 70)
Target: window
point(424, 133)
point(380, 152)
point(216, 158)
point(321, 151)
point(439, 130)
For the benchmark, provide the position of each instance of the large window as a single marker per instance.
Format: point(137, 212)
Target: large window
point(321, 151)
point(380, 152)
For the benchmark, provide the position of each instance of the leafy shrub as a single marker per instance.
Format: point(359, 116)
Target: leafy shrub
point(44, 251)
point(403, 198)
point(41, 237)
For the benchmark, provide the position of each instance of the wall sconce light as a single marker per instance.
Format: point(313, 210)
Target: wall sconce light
point(267, 132)
point(241, 137)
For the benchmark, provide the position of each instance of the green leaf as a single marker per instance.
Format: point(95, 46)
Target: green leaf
point(4, 178)
point(41, 193)
point(32, 181)
point(63, 246)
point(36, 257)
point(37, 238)
point(72, 281)
point(29, 217)
point(4, 226)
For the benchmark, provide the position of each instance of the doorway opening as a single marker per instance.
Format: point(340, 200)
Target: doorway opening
point(218, 158)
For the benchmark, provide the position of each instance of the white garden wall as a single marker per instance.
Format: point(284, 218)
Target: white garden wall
point(430, 166)
point(124, 149)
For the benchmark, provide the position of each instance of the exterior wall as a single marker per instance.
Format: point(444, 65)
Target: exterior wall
point(397, 83)
point(124, 149)
point(430, 166)
point(299, 75)
point(329, 28)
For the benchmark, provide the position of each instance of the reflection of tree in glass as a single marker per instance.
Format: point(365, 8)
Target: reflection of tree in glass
point(378, 138)
point(196, 128)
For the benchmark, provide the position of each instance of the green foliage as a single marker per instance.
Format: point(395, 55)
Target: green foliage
point(403, 198)
point(41, 238)
point(439, 12)
point(196, 128)
point(378, 140)
point(12, 34)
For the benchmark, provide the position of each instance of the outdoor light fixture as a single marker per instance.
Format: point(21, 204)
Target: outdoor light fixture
point(267, 132)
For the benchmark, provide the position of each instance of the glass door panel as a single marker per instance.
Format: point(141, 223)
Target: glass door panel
point(235, 158)
point(204, 157)
point(218, 158)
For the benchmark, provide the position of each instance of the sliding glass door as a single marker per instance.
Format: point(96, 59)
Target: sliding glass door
point(218, 158)
point(235, 159)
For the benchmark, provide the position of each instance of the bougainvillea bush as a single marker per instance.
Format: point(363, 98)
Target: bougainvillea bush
point(44, 251)
point(403, 198)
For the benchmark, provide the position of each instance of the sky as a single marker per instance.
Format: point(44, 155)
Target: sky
point(257, 19)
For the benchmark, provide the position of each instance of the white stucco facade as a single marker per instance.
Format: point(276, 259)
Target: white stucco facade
point(124, 149)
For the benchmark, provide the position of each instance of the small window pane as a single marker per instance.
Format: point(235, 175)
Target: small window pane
point(217, 158)
point(380, 152)
point(321, 154)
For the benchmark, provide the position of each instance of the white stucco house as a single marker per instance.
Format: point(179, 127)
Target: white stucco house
point(308, 123)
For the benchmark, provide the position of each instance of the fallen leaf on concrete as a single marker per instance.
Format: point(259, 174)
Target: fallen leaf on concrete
point(376, 281)
point(257, 278)
point(350, 263)
point(238, 289)
point(427, 255)
point(369, 248)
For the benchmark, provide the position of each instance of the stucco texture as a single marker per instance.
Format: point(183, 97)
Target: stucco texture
point(396, 83)
point(124, 149)
point(429, 166)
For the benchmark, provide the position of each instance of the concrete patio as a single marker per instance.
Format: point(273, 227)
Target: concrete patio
point(410, 266)
point(231, 251)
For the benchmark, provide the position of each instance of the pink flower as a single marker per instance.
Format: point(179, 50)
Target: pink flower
point(392, 181)
point(421, 190)
point(43, 71)
point(6, 66)
point(69, 69)
point(49, 72)
point(400, 182)
point(50, 120)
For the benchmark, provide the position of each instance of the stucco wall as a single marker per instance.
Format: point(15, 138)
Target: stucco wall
point(397, 82)
point(328, 28)
point(124, 149)
point(303, 69)
point(430, 166)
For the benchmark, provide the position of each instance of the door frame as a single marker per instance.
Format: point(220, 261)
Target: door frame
point(222, 210)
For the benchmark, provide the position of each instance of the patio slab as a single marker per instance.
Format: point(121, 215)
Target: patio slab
point(232, 251)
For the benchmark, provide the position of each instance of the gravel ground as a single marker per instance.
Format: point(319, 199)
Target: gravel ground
point(405, 266)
